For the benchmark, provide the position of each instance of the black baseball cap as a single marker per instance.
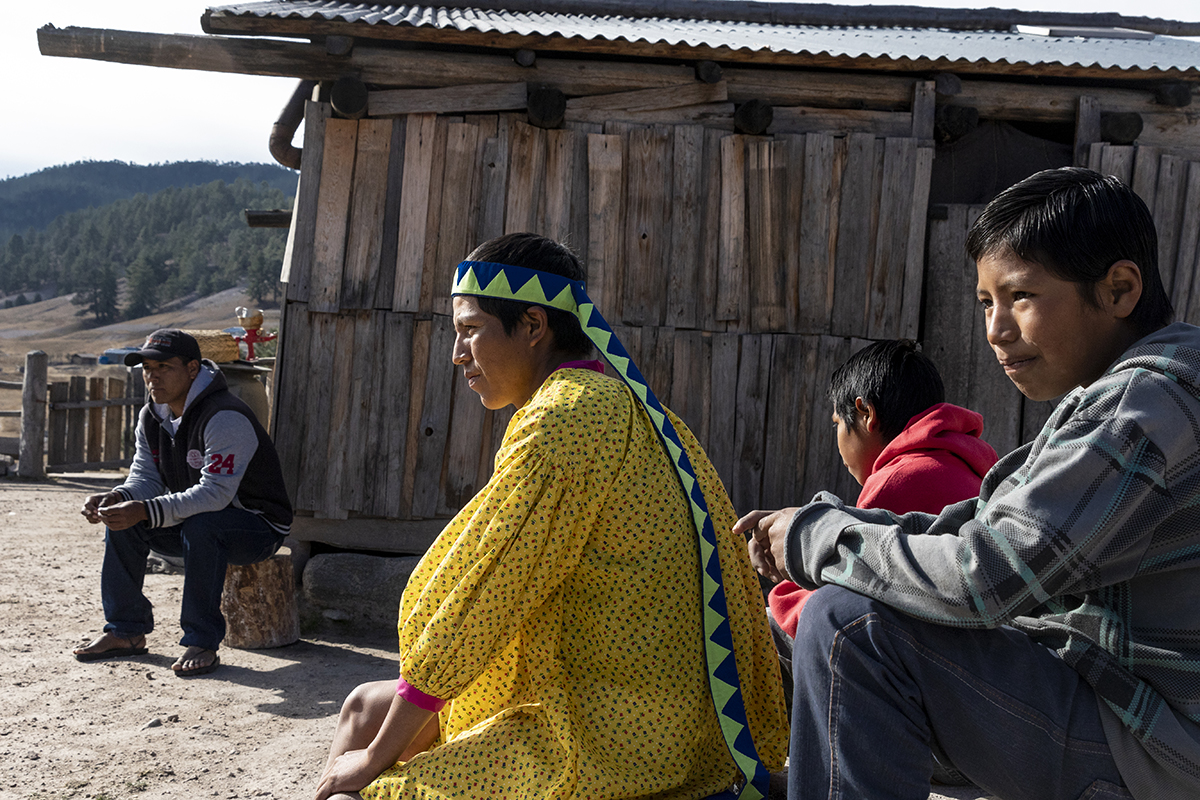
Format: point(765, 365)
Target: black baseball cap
point(164, 344)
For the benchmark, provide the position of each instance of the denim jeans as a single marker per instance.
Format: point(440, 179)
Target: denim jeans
point(207, 542)
point(876, 691)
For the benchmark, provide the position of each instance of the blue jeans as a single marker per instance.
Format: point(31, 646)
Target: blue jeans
point(877, 691)
point(207, 542)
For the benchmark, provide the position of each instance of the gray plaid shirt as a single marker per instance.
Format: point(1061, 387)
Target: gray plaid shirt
point(1087, 539)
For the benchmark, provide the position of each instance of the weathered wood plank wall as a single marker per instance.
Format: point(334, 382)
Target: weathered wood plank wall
point(739, 270)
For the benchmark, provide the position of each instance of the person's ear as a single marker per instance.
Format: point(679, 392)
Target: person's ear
point(536, 324)
point(193, 368)
point(1120, 290)
point(865, 411)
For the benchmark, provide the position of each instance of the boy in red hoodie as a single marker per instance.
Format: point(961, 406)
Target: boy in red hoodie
point(908, 449)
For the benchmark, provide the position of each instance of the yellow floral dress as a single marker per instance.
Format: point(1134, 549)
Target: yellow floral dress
point(559, 614)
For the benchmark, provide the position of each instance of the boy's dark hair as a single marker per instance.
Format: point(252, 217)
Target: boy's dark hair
point(895, 377)
point(545, 255)
point(1077, 223)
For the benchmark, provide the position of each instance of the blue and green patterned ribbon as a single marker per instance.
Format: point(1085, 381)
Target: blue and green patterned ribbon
point(506, 282)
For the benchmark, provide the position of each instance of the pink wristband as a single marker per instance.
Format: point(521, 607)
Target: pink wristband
point(417, 697)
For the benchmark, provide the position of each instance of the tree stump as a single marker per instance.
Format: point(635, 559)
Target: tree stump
point(259, 604)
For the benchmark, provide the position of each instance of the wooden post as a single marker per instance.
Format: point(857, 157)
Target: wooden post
point(76, 421)
point(112, 422)
point(57, 440)
point(1087, 128)
point(95, 421)
point(33, 417)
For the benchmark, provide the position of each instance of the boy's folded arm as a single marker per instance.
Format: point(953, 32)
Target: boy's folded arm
point(981, 566)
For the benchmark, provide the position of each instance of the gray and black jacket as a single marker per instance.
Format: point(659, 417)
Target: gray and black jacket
point(218, 456)
point(1087, 539)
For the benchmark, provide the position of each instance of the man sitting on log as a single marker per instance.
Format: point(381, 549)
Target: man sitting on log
point(205, 485)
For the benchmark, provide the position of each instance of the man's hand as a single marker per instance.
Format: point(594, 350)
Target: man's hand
point(350, 772)
point(769, 529)
point(95, 502)
point(120, 516)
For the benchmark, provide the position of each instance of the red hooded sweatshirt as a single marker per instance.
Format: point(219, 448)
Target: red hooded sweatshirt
point(937, 460)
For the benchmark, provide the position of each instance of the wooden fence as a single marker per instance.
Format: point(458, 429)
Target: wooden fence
point(73, 425)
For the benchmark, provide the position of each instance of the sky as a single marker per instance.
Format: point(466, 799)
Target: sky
point(61, 110)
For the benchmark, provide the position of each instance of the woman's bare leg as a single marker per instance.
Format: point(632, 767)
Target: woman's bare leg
point(362, 716)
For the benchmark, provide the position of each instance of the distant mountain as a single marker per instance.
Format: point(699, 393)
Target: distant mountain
point(36, 199)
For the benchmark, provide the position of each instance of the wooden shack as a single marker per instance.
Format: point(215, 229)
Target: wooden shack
point(757, 190)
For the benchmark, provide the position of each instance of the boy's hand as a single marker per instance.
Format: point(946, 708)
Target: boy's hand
point(769, 529)
point(761, 560)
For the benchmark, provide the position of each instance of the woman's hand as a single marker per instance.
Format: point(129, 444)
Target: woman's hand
point(350, 772)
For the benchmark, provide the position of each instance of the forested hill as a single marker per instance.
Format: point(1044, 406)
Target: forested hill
point(36, 199)
point(173, 243)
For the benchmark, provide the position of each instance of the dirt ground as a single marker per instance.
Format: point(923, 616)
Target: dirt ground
point(128, 728)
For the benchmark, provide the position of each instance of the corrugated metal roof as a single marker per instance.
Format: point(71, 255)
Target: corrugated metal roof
point(1160, 52)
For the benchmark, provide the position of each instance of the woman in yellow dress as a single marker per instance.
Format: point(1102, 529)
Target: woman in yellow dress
point(551, 640)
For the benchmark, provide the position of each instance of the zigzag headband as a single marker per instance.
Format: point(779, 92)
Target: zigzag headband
point(506, 282)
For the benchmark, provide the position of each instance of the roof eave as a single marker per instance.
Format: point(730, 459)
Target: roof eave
point(217, 22)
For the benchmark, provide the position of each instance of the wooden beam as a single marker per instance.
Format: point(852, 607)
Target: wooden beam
point(685, 94)
point(414, 68)
point(1087, 128)
point(1041, 103)
point(449, 100)
point(841, 120)
point(712, 115)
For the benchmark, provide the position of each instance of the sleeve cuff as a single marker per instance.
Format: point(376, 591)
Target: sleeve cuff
point(417, 697)
point(793, 555)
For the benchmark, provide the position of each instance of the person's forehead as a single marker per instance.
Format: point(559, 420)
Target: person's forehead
point(173, 361)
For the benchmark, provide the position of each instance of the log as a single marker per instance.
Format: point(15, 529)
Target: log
point(708, 71)
point(547, 107)
point(349, 97)
point(525, 58)
point(1120, 127)
point(753, 117)
point(33, 416)
point(259, 604)
point(1175, 94)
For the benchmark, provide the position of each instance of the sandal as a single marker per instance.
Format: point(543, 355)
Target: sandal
point(191, 654)
point(87, 653)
